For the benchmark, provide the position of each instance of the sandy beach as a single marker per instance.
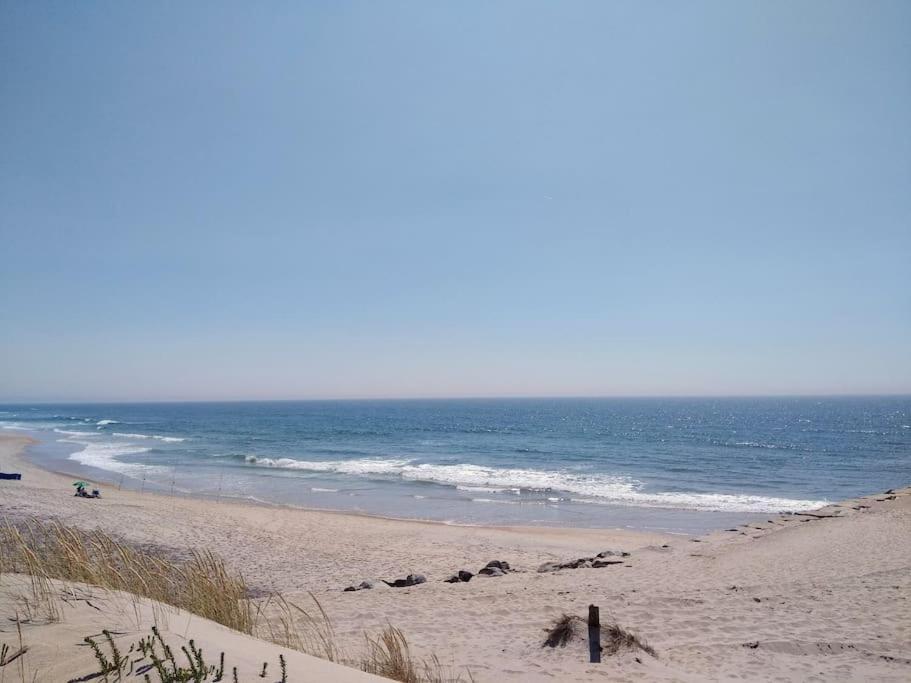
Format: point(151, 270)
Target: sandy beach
point(823, 596)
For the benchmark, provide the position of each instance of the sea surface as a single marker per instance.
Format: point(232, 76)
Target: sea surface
point(685, 465)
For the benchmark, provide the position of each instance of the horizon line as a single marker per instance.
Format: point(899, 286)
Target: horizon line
point(526, 397)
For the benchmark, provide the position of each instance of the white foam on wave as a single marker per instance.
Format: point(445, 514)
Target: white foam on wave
point(317, 489)
point(363, 467)
point(167, 439)
point(593, 488)
point(105, 456)
point(710, 502)
point(76, 432)
point(487, 489)
point(15, 425)
point(497, 480)
point(102, 423)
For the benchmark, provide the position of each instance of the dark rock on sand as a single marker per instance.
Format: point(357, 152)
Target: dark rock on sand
point(612, 553)
point(363, 585)
point(495, 568)
point(462, 577)
point(602, 559)
point(550, 567)
point(410, 580)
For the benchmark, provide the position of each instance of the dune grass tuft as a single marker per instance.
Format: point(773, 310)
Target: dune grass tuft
point(563, 631)
point(390, 656)
point(286, 623)
point(201, 584)
point(615, 638)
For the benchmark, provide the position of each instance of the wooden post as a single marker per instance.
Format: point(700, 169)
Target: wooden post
point(594, 634)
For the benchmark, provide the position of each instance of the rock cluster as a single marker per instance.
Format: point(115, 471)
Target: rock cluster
point(410, 580)
point(495, 568)
point(602, 559)
point(492, 568)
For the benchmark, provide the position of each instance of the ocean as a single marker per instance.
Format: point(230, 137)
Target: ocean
point(686, 465)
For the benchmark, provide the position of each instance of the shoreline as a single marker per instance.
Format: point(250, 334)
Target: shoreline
point(685, 468)
point(823, 595)
point(676, 521)
point(61, 476)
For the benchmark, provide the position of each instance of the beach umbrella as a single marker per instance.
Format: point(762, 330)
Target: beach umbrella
point(80, 483)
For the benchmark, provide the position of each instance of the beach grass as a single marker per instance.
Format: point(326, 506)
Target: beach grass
point(614, 637)
point(201, 584)
point(563, 631)
point(389, 655)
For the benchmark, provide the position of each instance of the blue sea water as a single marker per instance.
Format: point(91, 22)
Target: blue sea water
point(673, 464)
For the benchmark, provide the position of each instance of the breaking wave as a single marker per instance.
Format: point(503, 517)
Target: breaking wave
point(166, 439)
point(76, 433)
point(596, 488)
point(105, 456)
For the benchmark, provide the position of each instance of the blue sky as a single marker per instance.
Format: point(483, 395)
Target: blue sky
point(382, 199)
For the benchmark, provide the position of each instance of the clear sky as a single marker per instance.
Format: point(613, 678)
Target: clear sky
point(382, 199)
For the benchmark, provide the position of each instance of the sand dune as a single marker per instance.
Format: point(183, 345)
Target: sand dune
point(796, 598)
point(56, 651)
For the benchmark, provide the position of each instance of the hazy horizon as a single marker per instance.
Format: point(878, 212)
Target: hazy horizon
point(462, 398)
point(215, 201)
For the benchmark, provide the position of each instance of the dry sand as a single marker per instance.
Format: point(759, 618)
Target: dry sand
point(798, 598)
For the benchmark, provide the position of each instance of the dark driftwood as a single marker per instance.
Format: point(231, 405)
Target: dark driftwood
point(814, 515)
point(594, 634)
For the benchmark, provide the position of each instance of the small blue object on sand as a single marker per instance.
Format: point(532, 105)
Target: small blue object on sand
point(4, 475)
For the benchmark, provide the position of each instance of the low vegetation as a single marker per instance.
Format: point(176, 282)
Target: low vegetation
point(563, 631)
point(152, 655)
point(10, 655)
point(389, 656)
point(201, 584)
point(614, 638)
